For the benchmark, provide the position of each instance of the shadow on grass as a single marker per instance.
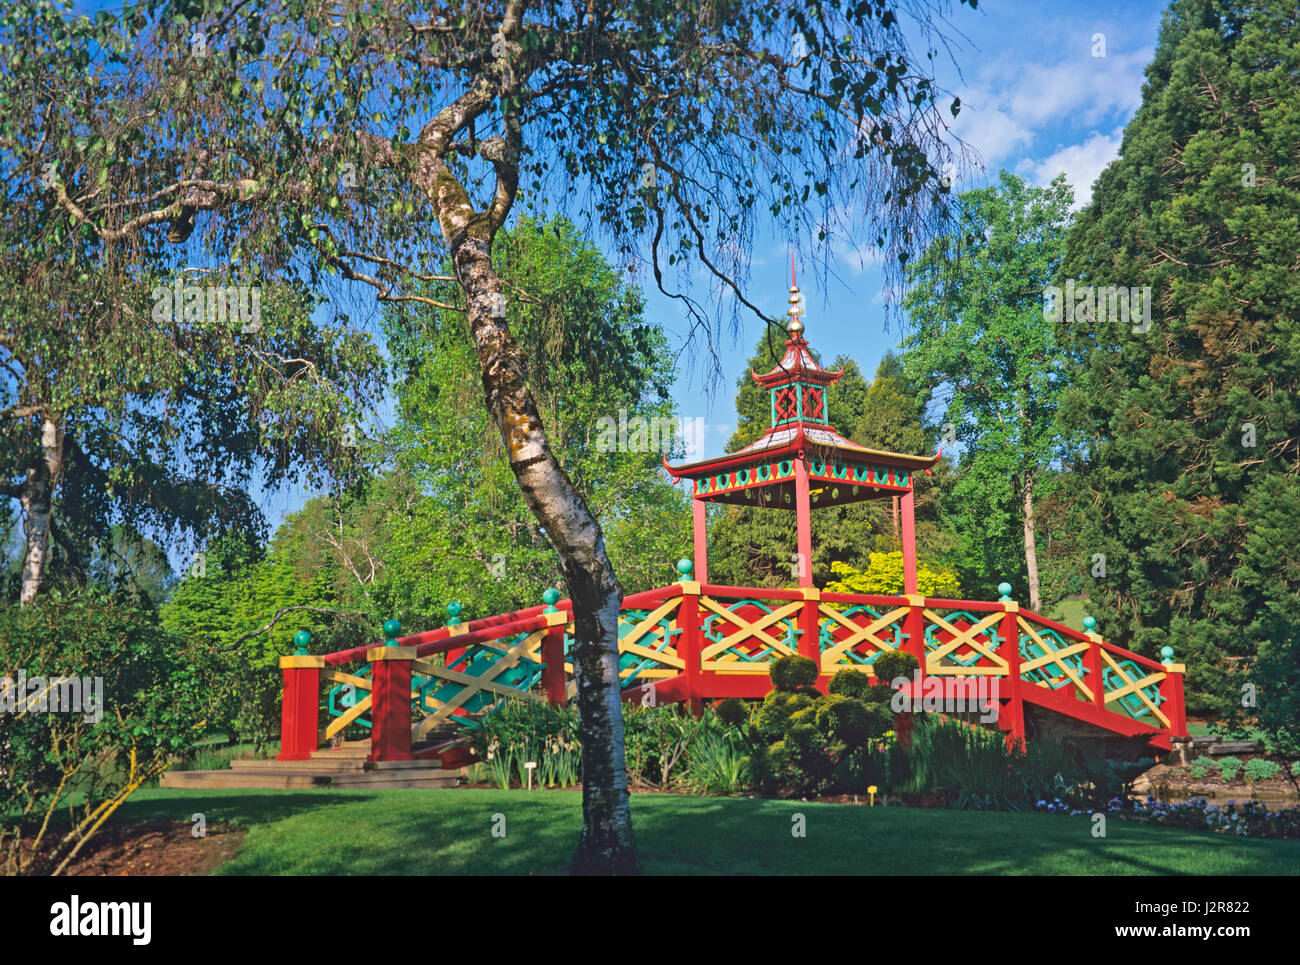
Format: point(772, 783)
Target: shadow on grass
point(431, 832)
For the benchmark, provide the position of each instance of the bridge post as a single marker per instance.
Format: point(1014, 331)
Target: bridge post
point(1096, 672)
point(553, 682)
point(913, 643)
point(390, 697)
point(1012, 715)
point(689, 642)
point(454, 629)
point(1171, 688)
point(810, 626)
point(299, 735)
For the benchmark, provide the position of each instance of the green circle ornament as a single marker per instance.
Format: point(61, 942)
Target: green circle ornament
point(550, 596)
point(1089, 623)
point(685, 568)
point(301, 639)
point(391, 629)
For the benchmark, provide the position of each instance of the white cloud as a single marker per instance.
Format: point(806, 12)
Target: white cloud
point(1011, 106)
point(1082, 163)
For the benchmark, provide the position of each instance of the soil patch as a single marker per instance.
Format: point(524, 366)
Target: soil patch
point(156, 848)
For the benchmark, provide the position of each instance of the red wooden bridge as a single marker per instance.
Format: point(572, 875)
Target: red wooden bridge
point(692, 642)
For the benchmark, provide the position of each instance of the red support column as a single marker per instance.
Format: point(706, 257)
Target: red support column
point(1171, 688)
point(1011, 711)
point(1096, 676)
point(390, 703)
point(913, 643)
point(810, 627)
point(553, 681)
point(454, 628)
point(701, 535)
point(689, 644)
point(298, 713)
point(803, 520)
point(908, 505)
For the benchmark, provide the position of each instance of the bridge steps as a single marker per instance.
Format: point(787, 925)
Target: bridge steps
point(327, 768)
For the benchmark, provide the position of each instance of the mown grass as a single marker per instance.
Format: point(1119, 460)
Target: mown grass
point(429, 832)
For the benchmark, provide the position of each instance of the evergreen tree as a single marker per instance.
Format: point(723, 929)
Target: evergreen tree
point(1189, 432)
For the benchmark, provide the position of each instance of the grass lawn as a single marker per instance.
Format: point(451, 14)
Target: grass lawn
point(423, 832)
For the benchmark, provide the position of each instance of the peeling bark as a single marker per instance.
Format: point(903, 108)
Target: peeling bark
point(37, 497)
point(1031, 546)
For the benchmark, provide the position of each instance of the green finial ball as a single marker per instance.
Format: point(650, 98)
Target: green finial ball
point(1005, 589)
point(392, 628)
point(1167, 652)
point(550, 596)
point(1089, 623)
point(301, 639)
point(685, 568)
point(453, 609)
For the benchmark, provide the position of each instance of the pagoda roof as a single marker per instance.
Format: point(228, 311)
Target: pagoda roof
point(789, 440)
point(797, 365)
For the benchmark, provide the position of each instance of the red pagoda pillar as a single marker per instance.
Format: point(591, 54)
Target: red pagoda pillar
point(908, 506)
point(803, 520)
point(701, 539)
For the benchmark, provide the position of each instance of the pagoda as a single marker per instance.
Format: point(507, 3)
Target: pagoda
point(801, 462)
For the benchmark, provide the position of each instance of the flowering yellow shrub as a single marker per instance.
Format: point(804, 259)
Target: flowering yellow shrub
point(884, 576)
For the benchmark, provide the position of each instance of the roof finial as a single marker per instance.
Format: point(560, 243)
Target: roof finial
point(795, 327)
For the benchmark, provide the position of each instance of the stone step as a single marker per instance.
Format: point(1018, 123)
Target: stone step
point(296, 778)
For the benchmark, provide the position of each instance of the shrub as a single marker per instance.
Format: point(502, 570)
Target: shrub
point(1229, 767)
point(884, 575)
point(793, 672)
point(657, 739)
point(850, 683)
point(803, 740)
point(1295, 768)
point(1259, 769)
point(62, 775)
point(1201, 768)
point(892, 664)
point(732, 711)
point(844, 719)
point(774, 714)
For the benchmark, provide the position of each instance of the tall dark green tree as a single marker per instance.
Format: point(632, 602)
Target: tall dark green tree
point(1189, 433)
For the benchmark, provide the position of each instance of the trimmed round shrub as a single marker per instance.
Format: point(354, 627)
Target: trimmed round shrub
point(849, 683)
point(894, 663)
point(802, 736)
point(844, 719)
point(793, 672)
point(774, 715)
point(732, 711)
point(879, 694)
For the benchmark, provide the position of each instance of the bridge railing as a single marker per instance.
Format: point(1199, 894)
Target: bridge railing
point(692, 642)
